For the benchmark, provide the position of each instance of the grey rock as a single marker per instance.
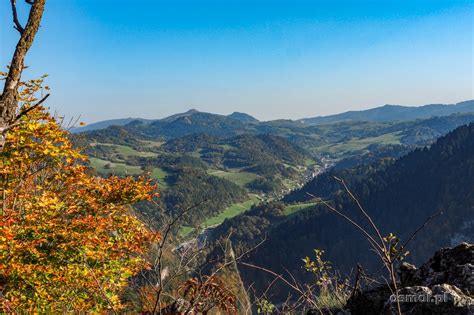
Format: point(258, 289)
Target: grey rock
point(443, 285)
point(448, 265)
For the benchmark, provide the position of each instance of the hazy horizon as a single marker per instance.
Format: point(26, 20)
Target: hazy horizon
point(270, 59)
point(226, 113)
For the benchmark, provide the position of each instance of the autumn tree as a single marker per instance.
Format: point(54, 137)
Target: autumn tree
point(68, 240)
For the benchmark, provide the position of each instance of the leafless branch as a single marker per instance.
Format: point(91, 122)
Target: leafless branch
point(330, 207)
point(356, 200)
point(280, 277)
point(421, 227)
point(29, 109)
point(158, 261)
point(17, 25)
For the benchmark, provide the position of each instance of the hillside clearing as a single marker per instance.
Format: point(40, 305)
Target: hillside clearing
point(229, 212)
point(160, 176)
point(237, 177)
point(291, 209)
point(106, 167)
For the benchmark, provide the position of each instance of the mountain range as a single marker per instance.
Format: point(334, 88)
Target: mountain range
point(359, 141)
point(386, 113)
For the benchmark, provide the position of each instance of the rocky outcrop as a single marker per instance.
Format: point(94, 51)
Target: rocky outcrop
point(453, 266)
point(443, 285)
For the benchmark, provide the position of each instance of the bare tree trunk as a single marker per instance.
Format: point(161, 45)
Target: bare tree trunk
point(9, 97)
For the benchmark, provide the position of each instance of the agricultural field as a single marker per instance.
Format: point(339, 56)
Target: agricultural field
point(121, 169)
point(152, 144)
point(228, 213)
point(237, 177)
point(291, 209)
point(160, 176)
point(231, 211)
point(357, 144)
point(128, 151)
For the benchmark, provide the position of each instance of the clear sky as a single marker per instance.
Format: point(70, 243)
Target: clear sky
point(272, 59)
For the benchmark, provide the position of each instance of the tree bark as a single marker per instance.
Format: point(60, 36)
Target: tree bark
point(9, 97)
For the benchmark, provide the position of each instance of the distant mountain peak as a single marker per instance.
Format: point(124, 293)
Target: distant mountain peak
point(192, 111)
point(243, 117)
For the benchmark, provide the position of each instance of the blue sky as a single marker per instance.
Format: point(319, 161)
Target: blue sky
point(272, 59)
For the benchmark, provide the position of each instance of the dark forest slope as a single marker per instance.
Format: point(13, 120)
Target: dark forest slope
point(399, 196)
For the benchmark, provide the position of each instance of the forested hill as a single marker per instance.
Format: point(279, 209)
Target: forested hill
point(394, 113)
point(194, 122)
point(400, 196)
point(359, 141)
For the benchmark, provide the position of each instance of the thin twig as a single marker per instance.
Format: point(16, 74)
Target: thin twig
point(376, 229)
point(158, 261)
point(296, 288)
point(369, 237)
point(29, 109)
point(416, 232)
point(101, 289)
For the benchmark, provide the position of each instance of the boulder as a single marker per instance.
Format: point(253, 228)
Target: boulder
point(443, 285)
point(453, 266)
